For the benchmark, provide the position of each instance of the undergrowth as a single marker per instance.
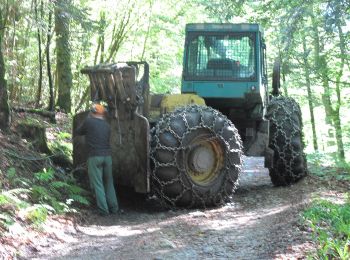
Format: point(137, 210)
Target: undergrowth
point(329, 221)
point(327, 166)
point(330, 224)
point(62, 144)
point(33, 199)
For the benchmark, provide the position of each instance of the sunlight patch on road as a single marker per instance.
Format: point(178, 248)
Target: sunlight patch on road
point(120, 231)
point(333, 196)
point(242, 221)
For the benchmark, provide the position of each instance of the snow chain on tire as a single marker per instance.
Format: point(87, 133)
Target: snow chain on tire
point(286, 140)
point(177, 139)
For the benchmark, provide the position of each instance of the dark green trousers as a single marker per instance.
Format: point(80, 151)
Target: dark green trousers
point(101, 180)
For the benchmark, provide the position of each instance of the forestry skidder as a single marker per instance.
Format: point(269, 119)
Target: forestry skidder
point(187, 148)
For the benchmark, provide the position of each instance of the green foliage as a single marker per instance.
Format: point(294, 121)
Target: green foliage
point(15, 180)
point(64, 135)
point(36, 214)
point(64, 148)
point(79, 199)
point(3, 199)
point(58, 194)
point(44, 175)
point(9, 203)
point(330, 224)
point(32, 122)
point(62, 145)
point(39, 196)
point(11, 173)
point(326, 165)
point(6, 220)
point(43, 195)
point(17, 197)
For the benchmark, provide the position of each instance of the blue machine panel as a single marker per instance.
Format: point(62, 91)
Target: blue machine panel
point(223, 89)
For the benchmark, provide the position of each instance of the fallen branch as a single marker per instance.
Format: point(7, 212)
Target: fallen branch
point(49, 114)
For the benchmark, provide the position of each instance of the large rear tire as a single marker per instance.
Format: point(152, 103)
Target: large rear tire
point(197, 157)
point(286, 140)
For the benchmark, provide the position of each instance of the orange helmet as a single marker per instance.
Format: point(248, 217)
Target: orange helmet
point(98, 109)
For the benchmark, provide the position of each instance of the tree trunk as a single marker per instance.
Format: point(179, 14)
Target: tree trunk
point(336, 117)
point(148, 31)
point(64, 72)
point(322, 69)
point(15, 91)
point(40, 80)
point(309, 94)
point(339, 136)
point(83, 99)
point(102, 48)
point(119, 34)
point(102, 28)
point(97, 50)
point(48, 64)
point(4, 106)
point(332, 115)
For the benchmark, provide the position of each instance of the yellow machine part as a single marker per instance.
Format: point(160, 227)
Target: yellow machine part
point(171, 102)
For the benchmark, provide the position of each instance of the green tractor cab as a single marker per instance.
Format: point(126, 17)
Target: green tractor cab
point(226, 65)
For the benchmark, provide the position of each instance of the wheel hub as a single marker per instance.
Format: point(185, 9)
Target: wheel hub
point(202, 159)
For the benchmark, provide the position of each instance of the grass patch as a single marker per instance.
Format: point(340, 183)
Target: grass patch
point(330, 224)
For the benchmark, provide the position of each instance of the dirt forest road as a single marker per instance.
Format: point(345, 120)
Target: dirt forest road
point(262, 222)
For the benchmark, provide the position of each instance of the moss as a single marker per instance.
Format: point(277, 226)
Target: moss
point(35, 133)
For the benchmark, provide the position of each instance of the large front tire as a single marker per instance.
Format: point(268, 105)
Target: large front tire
point(289, 161)
point(197, 157)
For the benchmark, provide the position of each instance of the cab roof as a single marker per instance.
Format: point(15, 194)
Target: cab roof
point(223, 27)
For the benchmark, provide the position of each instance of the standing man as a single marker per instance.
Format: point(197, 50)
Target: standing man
point(97, 134)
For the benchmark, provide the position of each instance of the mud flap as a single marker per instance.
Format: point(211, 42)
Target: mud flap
point(130, 151)
point(142, 141)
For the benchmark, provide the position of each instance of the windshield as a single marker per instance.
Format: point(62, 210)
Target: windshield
point(220, 56)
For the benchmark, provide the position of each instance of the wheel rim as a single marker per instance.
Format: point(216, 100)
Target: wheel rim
point(204, 159)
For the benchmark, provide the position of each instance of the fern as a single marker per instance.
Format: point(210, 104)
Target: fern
point(74, 189)
point(11, 173)
point(39, 193)
point(45, 175)
point(17, 191)
point(60, 184)
point(80, 199)
point(57, 205)
point(4, 199)
point(56, 196)
point(16, 196)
